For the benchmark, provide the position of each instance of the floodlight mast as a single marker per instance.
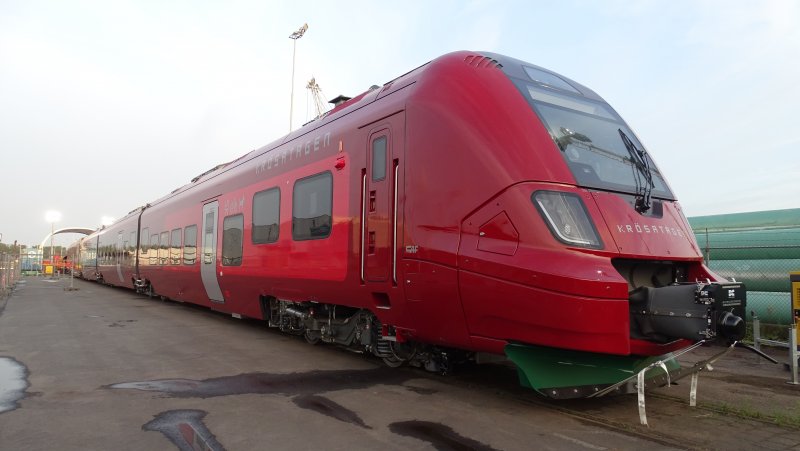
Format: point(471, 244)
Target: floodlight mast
point(294, 37)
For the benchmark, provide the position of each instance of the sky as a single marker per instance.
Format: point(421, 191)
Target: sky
point(107, 105)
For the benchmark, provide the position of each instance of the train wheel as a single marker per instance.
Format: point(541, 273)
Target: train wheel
point(312, 337)
point(396, 354)
point(393, 361)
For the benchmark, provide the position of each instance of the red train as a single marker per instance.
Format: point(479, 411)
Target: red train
point(477, 204)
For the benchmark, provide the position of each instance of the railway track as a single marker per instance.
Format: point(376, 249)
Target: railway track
point(673, 423)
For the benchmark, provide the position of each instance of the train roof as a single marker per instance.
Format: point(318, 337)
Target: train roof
point(510, 66)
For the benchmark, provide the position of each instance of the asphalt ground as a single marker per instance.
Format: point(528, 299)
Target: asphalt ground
point(104, 368)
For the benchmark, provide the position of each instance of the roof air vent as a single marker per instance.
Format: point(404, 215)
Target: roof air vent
point(339, 100)
point(482, 62)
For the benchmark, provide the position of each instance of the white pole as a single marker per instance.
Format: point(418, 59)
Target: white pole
point(52, 254)
point(291, 98)
point(793, 354)
point(294, 37)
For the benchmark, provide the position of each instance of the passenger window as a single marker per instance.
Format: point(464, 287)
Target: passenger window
point(145, 241)
point(163, 250)
point(379, 159)
point(312, 202)
point(133, 242)
point(175, 248)
point(152, 252)
point(266, 216)
point(232, 231)
point(189, 245)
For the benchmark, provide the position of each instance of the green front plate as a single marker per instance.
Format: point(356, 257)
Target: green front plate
point(542, 368)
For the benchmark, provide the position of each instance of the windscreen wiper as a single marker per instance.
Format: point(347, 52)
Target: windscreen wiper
point(641, 162)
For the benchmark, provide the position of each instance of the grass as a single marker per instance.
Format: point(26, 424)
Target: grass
point(790, 418)
point(769, 332)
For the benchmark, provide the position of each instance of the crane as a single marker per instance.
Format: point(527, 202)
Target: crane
point(316, 93)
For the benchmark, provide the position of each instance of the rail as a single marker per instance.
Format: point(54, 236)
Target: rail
point(363, 221)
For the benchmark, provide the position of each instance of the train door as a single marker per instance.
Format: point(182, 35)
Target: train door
point(120, 255)
point(208, 262)
point(380, 186)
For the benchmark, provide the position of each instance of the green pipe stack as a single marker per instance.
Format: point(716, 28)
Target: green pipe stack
point(759, 249)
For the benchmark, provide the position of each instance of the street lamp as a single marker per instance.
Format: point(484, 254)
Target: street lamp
point(52, 217)
point(294, 37)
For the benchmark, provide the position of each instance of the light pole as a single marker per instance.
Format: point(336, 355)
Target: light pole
point(52, 217)
point(294, 37)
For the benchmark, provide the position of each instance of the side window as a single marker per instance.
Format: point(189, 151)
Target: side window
point(266, 216)
point(379, 159)
point(163, 250)
point(190, 245)
point(312, 207)
point(232, 230)
point(133, 242)
point(175, 248)
point(152, 252)
point(145, 242)
point(208, 258)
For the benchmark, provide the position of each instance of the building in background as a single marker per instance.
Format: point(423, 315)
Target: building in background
point(31, 260)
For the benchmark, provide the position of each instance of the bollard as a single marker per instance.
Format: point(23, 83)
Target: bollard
point(793, 355)
point(71, 286)
point(756, 331)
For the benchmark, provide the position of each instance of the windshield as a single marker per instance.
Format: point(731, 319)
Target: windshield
point(588, 135)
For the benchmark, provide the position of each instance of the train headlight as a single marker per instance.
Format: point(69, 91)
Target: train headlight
point(567, 218)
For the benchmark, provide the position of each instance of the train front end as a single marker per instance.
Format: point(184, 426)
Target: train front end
point(596, 275)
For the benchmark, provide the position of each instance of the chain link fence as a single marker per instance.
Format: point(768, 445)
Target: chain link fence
point(765, 272)
point(9, 273)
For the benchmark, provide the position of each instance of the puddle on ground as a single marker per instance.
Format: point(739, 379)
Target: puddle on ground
point(289, 384)
point(440, 436)
point(422, 390)
point(304, 388)
point(13, 383)
point(185, 429)
point(330, 408)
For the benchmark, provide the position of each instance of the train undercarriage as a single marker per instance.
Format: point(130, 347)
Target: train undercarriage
point(358, 330)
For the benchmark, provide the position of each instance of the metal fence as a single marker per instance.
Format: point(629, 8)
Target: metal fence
point(765, 272)
point(9, 273)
